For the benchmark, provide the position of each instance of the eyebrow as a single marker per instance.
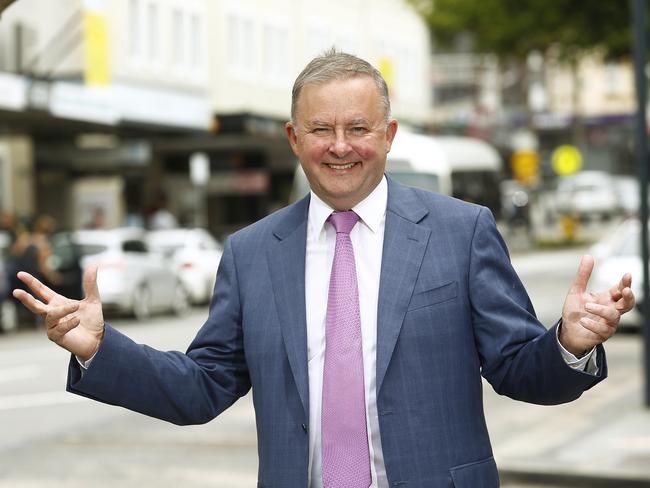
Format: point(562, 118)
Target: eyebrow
point(358, 121)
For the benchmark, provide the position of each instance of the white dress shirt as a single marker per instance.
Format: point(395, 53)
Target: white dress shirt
point(367, 239)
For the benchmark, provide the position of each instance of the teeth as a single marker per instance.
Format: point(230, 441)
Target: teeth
point(341, 166)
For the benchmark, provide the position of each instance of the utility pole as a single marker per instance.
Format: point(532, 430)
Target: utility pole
point(639, 13)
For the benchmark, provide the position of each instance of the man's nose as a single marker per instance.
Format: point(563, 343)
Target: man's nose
point(340, 146)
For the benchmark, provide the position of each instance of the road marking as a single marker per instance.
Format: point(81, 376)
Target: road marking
point(45, 399)
point(19, 373)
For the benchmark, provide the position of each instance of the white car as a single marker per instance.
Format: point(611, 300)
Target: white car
point(195, 254)
point(588, 194)
point(617, 254)
point(130, 278)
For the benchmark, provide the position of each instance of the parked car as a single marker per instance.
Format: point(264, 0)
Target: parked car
point(8, 311)
point(130, 279)
point(615, 255)
point(195, 255)
point(588, 194)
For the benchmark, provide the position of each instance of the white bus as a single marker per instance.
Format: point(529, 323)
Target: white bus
point(463, 167)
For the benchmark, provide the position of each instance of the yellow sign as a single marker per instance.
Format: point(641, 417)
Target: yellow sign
point(386, 69)
point(525, 166)
point(96, 49)
point(566, 160)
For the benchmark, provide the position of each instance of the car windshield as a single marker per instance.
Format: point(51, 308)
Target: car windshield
point(420, 180)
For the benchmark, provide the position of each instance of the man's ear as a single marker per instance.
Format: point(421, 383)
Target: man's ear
point(391, 130)
point(291, 135)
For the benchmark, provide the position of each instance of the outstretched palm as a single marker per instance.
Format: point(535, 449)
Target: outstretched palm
point(590, 318)
point(75, 325)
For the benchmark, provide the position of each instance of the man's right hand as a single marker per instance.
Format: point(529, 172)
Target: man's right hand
point(75, 325)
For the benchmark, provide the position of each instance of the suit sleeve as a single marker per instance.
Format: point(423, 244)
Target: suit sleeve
point(519, 356)
point(188, 388)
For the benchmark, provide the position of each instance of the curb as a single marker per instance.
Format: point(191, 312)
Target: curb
point(574, 479)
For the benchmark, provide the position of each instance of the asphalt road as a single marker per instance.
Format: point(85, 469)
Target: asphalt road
point(49, 438)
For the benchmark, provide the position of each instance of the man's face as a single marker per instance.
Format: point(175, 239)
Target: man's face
point(341, 137)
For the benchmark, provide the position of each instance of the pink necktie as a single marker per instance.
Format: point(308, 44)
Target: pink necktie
point(345, 455)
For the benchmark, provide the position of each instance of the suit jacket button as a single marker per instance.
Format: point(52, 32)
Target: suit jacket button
point(304, 427)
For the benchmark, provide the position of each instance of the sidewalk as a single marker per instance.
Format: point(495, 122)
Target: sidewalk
point(600, 440)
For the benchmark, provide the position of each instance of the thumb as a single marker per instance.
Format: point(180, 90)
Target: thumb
point(584, 273)
point(91, 291)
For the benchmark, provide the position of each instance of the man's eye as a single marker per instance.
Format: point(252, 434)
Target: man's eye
point(359, 130)
point(321, 130)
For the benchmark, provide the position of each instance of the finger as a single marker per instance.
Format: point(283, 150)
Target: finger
point(55, 334)
point(616, 290)
point(42, 291)
point(602, 330)
point(30, 302)
point(627, 301)
point(91, 291)
point(584, 273)
point(609, 313)
point(57, 313)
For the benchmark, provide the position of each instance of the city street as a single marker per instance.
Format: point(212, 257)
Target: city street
point(54, 439)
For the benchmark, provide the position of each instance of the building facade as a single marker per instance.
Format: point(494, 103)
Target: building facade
point(104, 103)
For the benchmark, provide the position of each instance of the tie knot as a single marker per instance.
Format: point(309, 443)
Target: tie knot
point(343, 221)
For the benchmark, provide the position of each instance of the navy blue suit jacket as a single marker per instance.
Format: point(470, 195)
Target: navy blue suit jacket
point(451, 308)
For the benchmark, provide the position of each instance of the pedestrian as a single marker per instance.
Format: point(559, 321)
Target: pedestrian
point(30, 252)
point(362, 316)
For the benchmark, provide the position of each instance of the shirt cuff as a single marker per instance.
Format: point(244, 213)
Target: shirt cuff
point(587, 363)
point(85, 364)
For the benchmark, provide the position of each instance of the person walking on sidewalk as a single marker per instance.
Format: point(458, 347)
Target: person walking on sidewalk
point(362, 317)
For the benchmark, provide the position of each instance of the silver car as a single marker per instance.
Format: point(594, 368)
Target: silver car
point(131, 279)
point(195, 255)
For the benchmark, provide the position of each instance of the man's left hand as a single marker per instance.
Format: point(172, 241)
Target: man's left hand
point(590, 318)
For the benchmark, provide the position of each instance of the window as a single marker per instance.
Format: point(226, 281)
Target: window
point(276, 47)
point(196, 49)
point(134, 246)
point(179, 57)
point(153, 36)
point(241, 44)
point(135, 31)
point(318, 40)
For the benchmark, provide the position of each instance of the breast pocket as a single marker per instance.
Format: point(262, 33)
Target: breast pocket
point(434, 295)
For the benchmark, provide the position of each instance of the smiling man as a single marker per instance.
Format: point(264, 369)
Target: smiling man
point(362, 317)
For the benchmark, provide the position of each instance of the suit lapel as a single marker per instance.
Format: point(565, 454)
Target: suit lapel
point(286, 258)
point(405, 243)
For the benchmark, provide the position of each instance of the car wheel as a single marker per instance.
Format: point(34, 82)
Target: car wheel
point(142, 303)
point(8, 316)
point(181, 302)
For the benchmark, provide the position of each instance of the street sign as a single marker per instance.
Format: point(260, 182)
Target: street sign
point(566, 160)
point(525, 166)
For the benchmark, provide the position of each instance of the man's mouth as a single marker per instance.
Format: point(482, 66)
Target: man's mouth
point(341, 166)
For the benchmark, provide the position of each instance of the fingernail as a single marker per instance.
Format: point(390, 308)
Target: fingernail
point(590, 306)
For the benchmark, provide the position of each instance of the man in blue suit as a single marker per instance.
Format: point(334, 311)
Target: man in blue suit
point(433, 304)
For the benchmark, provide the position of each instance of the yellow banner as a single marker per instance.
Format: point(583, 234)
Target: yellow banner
point(97, 70)
point(385, 67)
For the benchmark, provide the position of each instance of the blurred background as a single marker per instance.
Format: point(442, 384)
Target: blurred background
point(138, 134)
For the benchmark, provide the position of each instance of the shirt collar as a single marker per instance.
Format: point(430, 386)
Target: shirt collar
point(371, 210)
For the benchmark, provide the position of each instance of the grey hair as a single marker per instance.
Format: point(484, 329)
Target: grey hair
point(337, 65)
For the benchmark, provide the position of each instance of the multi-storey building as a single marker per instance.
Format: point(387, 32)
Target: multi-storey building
point(103, 102)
